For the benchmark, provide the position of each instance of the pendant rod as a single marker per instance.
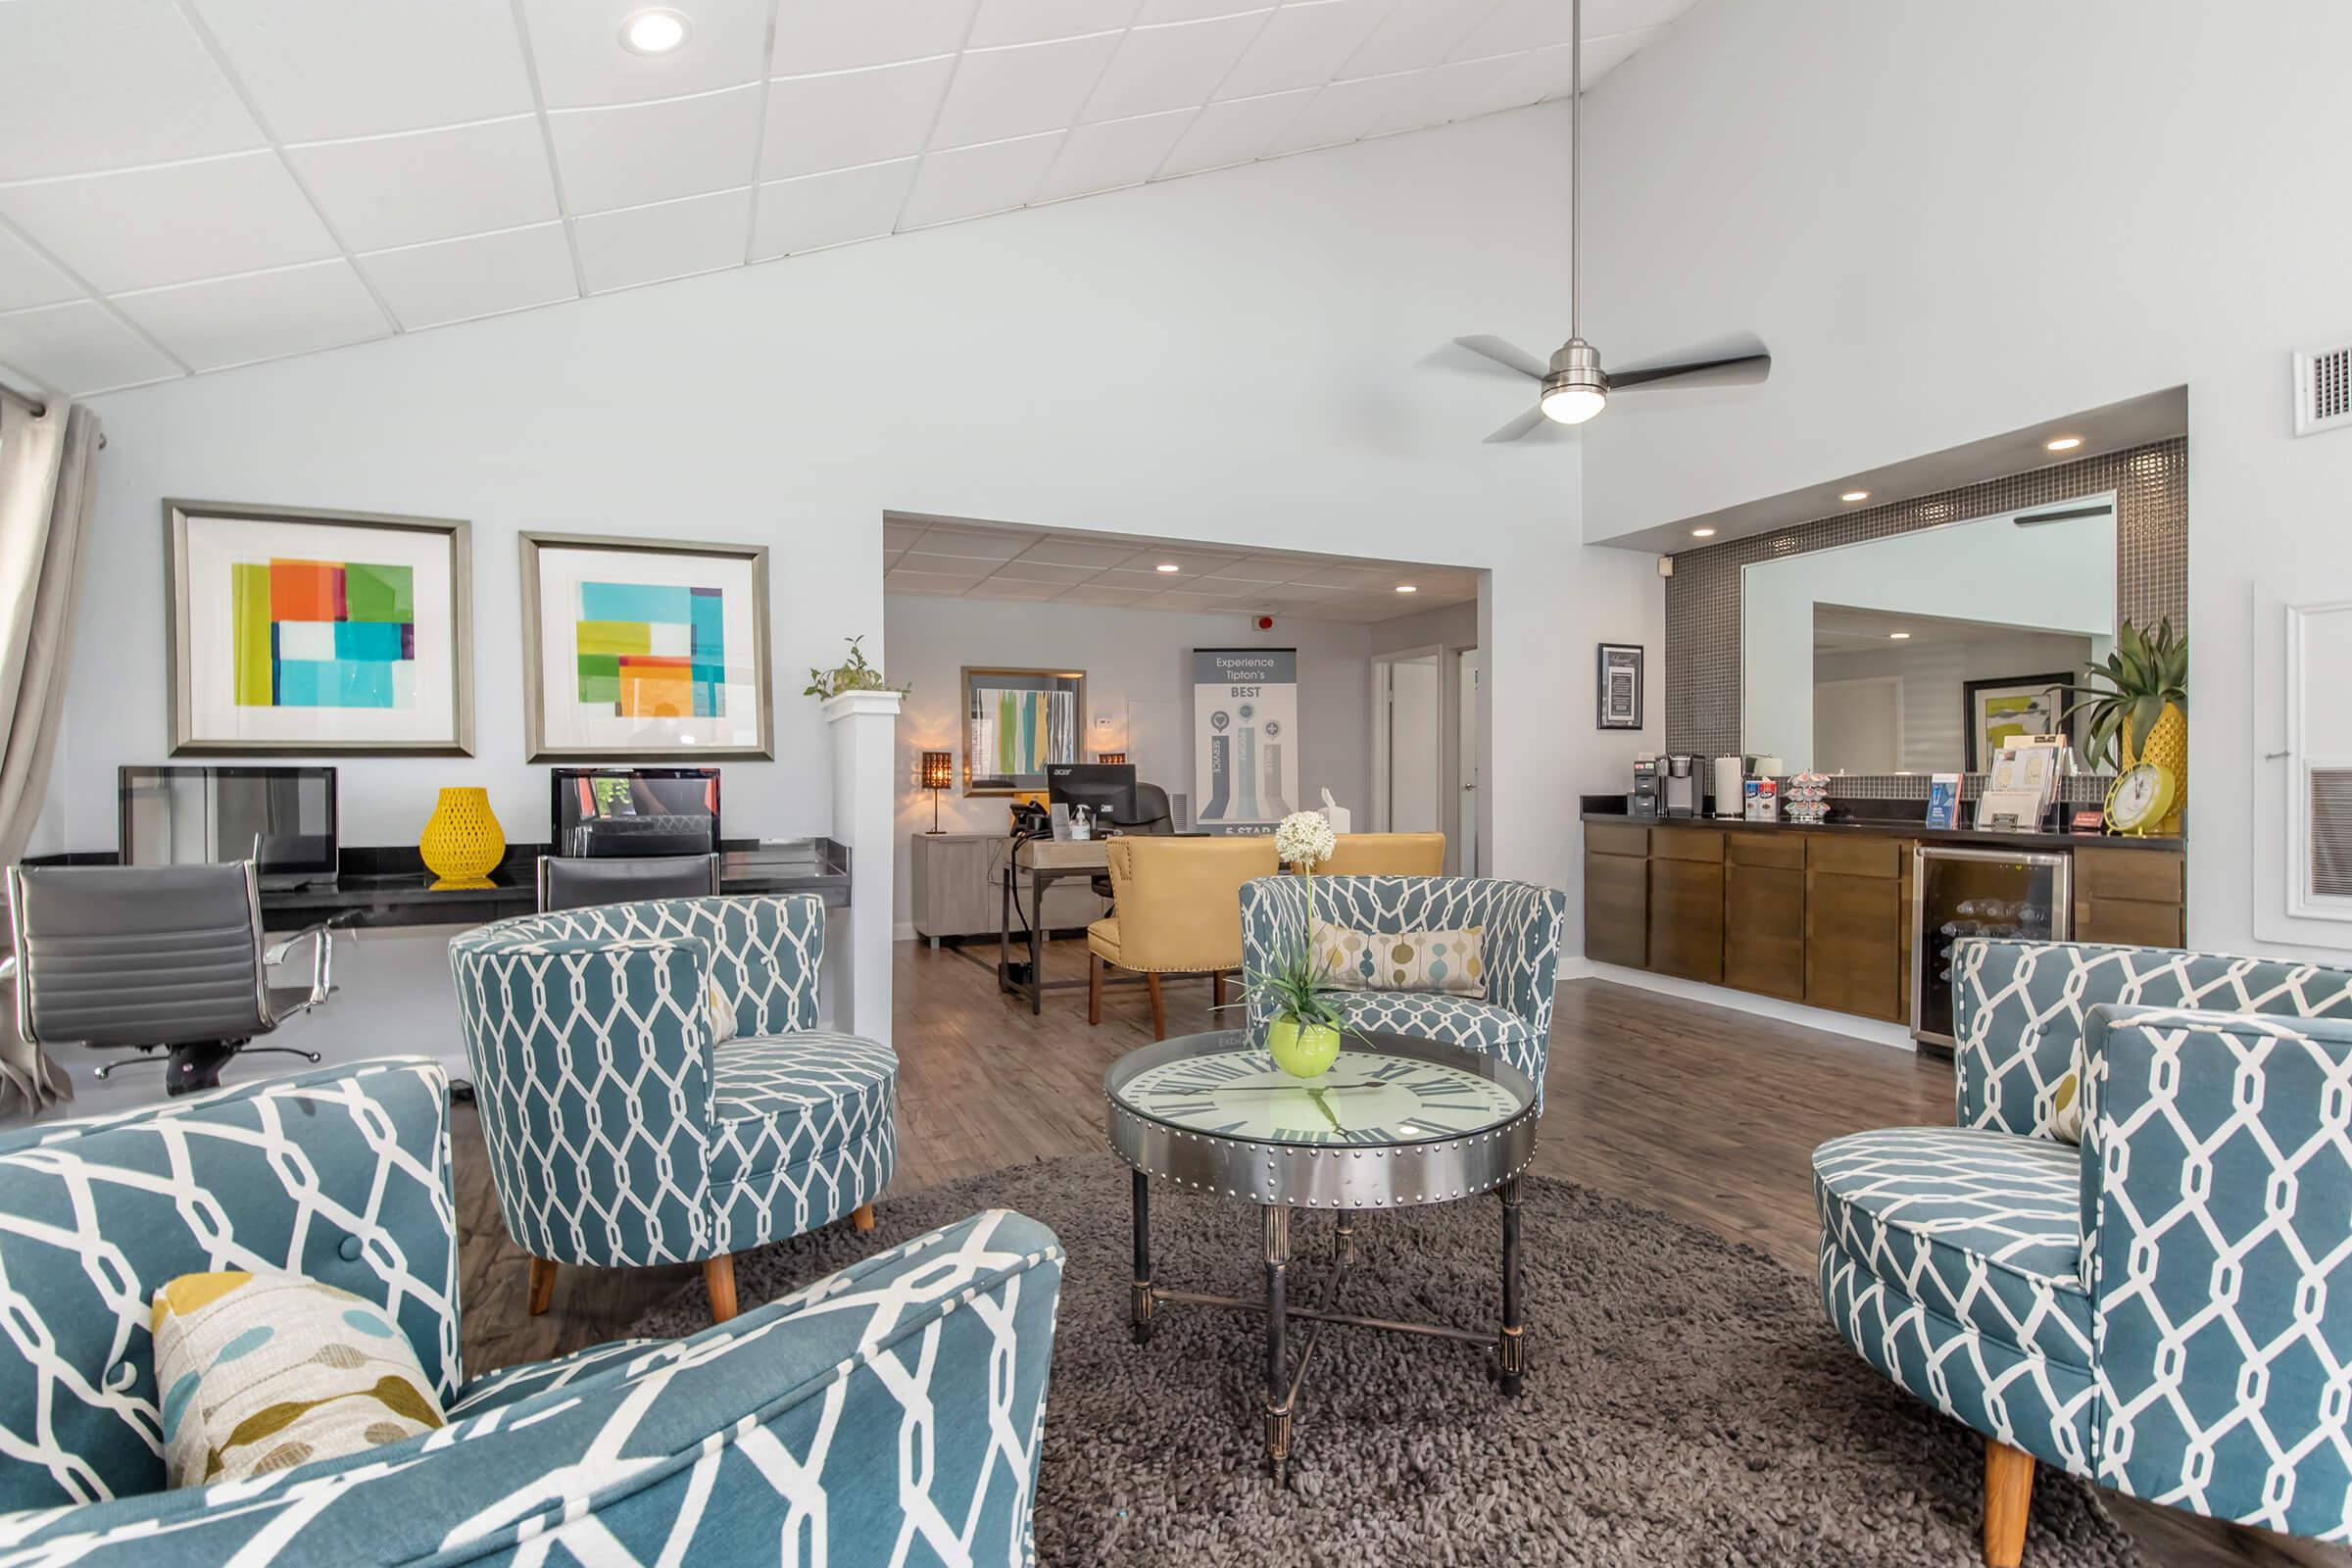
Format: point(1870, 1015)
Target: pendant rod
point(1576, 167)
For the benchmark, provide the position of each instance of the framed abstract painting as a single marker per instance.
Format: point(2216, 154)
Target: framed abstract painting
point(1017, 722)
point(296, 632)
point(643, 649)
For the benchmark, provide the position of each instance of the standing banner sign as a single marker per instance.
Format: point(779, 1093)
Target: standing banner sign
point(1245, 737)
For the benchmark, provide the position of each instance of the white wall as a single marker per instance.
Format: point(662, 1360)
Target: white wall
point(1237, 358)
point(1953, 221)
point(1128, 655)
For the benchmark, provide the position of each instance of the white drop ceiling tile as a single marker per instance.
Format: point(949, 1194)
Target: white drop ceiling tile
point(173, 223)
point(915, 582)
point(1346, 111)
point(1253, 573)
point(1304, 46)
point(673, 240)
point(641, 153)
point(1415, 35)
point(841, 34)
point(382, 191)
point(1605, 17)
point(27, 279)
point(901, 535)
point(583, 63)
point(1003, 22)
point(1347, 577)
point(1159, 11)
point(1451, 92)
point(970, 181)
point(1310, 594)
point(973, 544)
point(1515, 27)
point(932, 564)
point(852, 118)
point(1077, 553)
point(1115, 153)
point(320, 71)
point(1189, 562)
point(483, 274)
point(1044, 572)
point(1233, 132)
point(819, 209)
point(91, 84)
point(79, 348)
point(1024, 91)
point(1172, 67)
point(1144, 580)
point(262, 315)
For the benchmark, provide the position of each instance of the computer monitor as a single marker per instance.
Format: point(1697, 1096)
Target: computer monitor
point(1108, 789)
point(281, 817)
point(621, 811)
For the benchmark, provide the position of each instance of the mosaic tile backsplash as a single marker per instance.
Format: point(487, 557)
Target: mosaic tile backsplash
point(1702, 597)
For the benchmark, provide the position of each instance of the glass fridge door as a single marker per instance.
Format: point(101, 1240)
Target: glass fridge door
point(1957, 894)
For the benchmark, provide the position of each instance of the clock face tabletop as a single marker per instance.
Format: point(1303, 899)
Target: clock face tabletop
point(1393, 1120)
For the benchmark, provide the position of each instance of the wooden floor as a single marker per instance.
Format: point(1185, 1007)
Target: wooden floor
point(1703, 1112)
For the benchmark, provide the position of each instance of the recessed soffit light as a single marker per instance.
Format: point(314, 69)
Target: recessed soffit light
point(2064, 443)
point(1899, 636)
point(1407, 588)
point(1853, 496)
point(1167, 566)
point(1702, 533)
point(656, 32)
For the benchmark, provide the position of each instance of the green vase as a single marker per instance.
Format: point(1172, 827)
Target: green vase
point(1302, 1050)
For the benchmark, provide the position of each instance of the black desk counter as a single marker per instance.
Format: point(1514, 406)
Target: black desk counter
point(1611, 809)
point(383, 886)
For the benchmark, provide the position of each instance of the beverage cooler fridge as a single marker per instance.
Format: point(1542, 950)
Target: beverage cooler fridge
point(1956, 894)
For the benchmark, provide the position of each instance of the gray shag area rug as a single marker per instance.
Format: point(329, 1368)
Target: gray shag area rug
point(1686, 1403)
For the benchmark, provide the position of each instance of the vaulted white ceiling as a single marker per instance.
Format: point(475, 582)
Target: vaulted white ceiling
point(187, 185)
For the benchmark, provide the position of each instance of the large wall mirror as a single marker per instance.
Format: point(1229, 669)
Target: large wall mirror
point(1015, 723)
point(1920, 652)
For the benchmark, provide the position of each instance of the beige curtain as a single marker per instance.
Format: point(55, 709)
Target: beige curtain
point(48, 465)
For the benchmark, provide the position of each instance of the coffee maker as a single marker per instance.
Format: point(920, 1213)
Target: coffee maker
point(1684, 783)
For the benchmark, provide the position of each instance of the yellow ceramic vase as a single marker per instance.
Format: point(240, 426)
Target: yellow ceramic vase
point(462, 842)
point(2168, 749)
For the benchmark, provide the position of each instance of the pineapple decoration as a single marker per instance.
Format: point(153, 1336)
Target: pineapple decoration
point(2141, 713)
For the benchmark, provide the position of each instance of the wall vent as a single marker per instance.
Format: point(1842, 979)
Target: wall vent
point(2331, 832)
point(2324, 390)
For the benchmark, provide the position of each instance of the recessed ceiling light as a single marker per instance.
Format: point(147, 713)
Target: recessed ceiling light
point(1702, 533)
point(2064, 443)
point(1899, 636)
point(1167, 566)
point(654, 33)
point(1853, 496)
point(1407, 588)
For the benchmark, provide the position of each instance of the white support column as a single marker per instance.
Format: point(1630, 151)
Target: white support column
point(863, 727)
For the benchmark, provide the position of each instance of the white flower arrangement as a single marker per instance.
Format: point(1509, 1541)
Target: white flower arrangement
point(1304, 838)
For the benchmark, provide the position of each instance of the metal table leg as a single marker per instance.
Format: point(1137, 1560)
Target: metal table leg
point(1278, 1380)
point(1512, 1351)
point(1037, 943)
point(1140, 1319)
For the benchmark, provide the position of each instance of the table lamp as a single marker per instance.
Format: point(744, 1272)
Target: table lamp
point(938, 774)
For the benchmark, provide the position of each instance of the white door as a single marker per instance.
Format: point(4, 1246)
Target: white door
point(1408, 737)
point(1473, 672)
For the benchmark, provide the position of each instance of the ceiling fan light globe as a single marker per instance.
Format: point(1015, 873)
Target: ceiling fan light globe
point(1573, 403)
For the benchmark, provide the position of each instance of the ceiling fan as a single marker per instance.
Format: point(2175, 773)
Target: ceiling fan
point(1574, 387)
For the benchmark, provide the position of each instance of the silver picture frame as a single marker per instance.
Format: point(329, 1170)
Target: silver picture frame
point(180, 515)
point(535, 746)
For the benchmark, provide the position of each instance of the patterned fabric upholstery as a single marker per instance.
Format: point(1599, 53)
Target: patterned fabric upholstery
point(2167, 1310)
point(620, 1132)
point(888, 1415)
point(1523, 925)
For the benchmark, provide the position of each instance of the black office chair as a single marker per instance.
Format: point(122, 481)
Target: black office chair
point(1152, 816)
point(154, 958)
point(580, 882)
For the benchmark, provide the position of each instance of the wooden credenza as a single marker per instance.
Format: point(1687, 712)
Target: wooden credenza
point(1821, 918)
point(953, 883)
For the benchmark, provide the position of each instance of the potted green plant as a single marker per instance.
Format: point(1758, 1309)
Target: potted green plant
point(2140, 713)
point(852, 674)
point(1302, 1032)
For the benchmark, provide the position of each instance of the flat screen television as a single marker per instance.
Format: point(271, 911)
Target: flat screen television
point(282, 817)
point(623, 812)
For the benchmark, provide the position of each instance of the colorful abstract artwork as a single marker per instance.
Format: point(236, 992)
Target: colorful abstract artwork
point(322, 634)
point(1016, 722)
point(651, 650)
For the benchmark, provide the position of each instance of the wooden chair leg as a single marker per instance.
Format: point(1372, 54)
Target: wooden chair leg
point(542, 1285)
point(2008, 1498)
point(1160, 1011)
point(1094, 987)
point(718, 1278)
point(863, 1216)
point(1217, 989)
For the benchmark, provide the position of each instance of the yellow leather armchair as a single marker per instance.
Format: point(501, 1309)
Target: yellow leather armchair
point(1178, 911)
point(1386, 855)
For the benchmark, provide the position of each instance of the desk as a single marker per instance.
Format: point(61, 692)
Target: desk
point(1044, 863)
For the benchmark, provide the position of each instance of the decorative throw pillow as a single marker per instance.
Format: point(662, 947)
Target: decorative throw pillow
point(722, 1011)
point(263, 1372)
point(1449, 961)
point(2066, 1107)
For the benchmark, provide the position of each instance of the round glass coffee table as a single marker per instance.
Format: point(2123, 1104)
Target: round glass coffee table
point(1394, 1123)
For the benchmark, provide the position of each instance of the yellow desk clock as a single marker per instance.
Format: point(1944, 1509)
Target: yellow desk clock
point(2140, 798)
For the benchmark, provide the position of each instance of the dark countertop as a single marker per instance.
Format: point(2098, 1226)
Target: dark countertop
point(381, 886)
point(1889, 827)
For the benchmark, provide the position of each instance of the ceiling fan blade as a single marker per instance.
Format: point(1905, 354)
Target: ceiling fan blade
point(1739, 359)
point(1531, 422)
point(1509, 355)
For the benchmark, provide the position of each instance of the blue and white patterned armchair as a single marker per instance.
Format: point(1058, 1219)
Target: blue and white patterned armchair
point(1522, 925)
point(621, 1131)
point(2167, 1310)
point(897, 1401)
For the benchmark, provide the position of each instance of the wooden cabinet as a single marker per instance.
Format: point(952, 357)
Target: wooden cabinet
point(1686, 903)
point(953, 885)
point(1764, 914)
point(2133, 897)
point(1617, 894)
point(1854, 919)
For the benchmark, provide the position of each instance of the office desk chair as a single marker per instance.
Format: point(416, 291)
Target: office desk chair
point(1154, 817)
point(154, 958)
point(580, 882)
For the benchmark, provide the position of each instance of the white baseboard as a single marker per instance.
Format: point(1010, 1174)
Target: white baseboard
point(1875, 1031)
